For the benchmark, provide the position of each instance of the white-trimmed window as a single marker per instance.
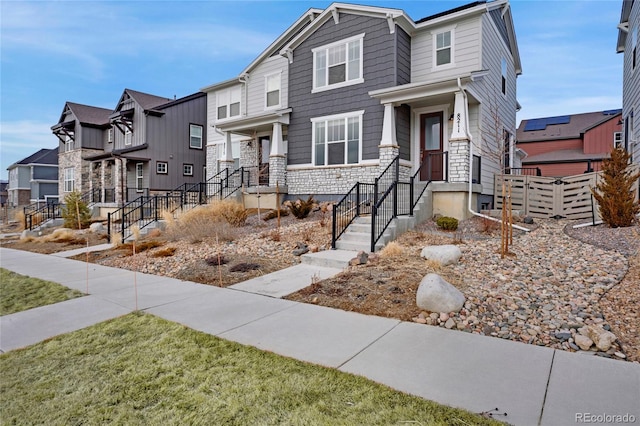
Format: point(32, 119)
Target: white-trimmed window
point(443, 47)
point(503, 68)
point(68, 142)
point(139, 177)
point(110, 135)
point(634, 46)
point(617, 139)
point(187, 169)
point(338, 64)
point(228, 102)
point(272, 90)
point(337, 139)
point(195, 136)
point(128, 135)
point(69, 179)
point(162, 167)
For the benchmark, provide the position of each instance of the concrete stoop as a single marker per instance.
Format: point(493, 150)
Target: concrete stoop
point(357, 237)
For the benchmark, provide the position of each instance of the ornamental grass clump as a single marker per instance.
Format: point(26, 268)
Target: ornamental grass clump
point(614, 192)
point(301, 208)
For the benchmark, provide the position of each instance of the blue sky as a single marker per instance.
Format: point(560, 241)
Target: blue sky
point(90, 51)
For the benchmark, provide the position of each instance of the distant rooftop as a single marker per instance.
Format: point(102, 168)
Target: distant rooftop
point(562, 127)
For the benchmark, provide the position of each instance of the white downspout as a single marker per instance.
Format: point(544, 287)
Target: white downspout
point(468, 134)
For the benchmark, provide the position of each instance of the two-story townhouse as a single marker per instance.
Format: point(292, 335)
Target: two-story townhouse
point(249, 115)
point(34, 178)
point(147, 144)
point(81, 131)
point(628, 45)
point(570, 144)
point(368, 84)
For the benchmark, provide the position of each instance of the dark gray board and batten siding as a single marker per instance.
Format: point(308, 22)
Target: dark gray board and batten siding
point(168, 140)
point(380, 68)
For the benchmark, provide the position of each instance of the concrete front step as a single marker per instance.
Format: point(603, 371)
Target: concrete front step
point(329, 258)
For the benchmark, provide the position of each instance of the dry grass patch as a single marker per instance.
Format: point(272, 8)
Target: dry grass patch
point(212, 220)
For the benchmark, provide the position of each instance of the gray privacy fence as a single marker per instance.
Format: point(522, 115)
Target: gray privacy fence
point(543, 197)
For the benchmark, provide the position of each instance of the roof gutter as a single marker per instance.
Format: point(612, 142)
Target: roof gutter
point(468, 135)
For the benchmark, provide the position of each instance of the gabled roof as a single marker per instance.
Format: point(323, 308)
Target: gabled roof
point(86, 114)
point(400, 18)
point(562, 127)
point(623, 27)
point(145, 100)
point(43, 156)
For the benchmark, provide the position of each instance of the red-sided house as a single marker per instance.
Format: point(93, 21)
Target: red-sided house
point(570, 144)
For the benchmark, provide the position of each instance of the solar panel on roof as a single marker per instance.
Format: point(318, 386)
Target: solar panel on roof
point(563, 119)
point(535, 124)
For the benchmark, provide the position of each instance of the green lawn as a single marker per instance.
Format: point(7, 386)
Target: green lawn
point(19, 292)
point(140, 369)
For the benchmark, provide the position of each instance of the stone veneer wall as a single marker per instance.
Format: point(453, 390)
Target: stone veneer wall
point(82, 169)
point(277, 170)
point(458, 161)
point(249, 159)
point(213, 154)
point(329, 180)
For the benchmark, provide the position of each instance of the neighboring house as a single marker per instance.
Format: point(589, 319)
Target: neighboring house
point(34, 178)
point(347, 89)
point(628, 44)
point(147, 144)
point(568, 145)
point(4, 184)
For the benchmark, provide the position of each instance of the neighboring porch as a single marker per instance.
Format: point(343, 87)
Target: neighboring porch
point(117, 180)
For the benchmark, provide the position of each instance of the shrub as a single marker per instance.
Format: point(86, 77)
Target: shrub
point(232, 212)
point(614, 192)
point(393, 249)
point(199, 223)
point(447, 223)
point(301, 208)
point(75, 212)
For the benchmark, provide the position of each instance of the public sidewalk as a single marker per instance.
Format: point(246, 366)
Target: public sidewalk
point(533, 385)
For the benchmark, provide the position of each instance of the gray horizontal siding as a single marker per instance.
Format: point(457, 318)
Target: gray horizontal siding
point(379, 69)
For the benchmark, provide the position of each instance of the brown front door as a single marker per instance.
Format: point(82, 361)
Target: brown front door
point(431, 155)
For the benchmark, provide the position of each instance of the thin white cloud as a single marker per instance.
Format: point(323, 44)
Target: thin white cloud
point(90, 36)
point(19, 139)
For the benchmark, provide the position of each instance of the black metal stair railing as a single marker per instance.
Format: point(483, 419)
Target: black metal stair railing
point(387, 198)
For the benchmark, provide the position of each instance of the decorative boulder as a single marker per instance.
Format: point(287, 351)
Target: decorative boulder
point(602, 338)
point(96, 227)
point(445, 254)
point(436, 295)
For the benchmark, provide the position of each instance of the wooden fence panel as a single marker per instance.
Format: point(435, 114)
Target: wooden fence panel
point(542, 197)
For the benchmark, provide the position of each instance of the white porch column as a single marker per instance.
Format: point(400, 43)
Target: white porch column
point(388, 149)
point(459, 142)
point(226, 162)
point(277, 160)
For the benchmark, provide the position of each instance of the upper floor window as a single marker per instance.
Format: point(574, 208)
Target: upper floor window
point(337, 139)
point(634, 46)
point(228, 102)
point(443, 47)
point(128, 135)
point(195, 136)
point(338, 64)
point(110, 135)
point(503, 68)
point(617, 139)
point(68, 142)
point(272, 90)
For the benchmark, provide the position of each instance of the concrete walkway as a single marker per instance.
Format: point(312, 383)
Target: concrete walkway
point(533, 385)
